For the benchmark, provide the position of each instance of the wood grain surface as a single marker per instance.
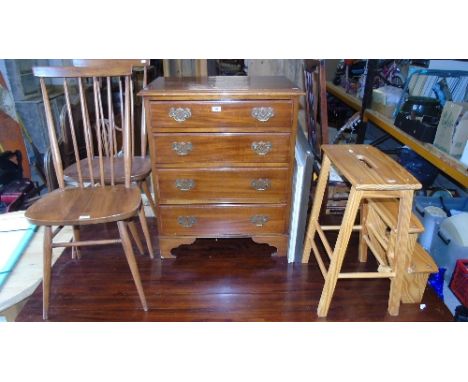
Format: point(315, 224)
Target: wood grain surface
point(223, 185)
point(223, 220)
point(231, 114)
point(75, 72)
point(388, 210)
point(141, 169)
point(77, 206)
point(221, 149)
point(226, 86)
point(218, 143)
point(213, 280)
point(368, 168)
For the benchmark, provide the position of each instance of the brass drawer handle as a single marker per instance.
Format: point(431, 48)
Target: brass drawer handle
point(259, 220)
point(263, 114)
point(182, 148)
point(261, 184)
point(187, 221)
point(180, 114)
point(261, 148)
point(185, 184)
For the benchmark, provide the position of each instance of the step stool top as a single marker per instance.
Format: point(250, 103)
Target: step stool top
point(369, 169)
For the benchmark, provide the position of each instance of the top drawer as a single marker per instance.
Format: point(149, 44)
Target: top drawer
point(221, 115)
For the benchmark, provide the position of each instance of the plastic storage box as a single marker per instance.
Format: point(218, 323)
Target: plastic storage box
point(455, 204)
point(432, 211)
point(459, 283)
point(451, 242)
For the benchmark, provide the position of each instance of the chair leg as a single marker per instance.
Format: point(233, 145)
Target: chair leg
point(146, 233)
point(136, 237)
point(339, 252)
point(314, 214)
point(145, 188)
point(76, 237)
point(127, 246)
point(46, 270)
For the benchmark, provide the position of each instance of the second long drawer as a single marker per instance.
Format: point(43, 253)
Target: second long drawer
point(220, 149)
point(225, 185)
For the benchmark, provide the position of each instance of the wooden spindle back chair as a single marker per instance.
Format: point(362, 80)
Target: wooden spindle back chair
point(135, 65)
point(141, 168)
point(96, 197)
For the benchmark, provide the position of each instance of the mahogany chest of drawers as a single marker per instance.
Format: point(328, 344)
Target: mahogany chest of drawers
point(222, 151)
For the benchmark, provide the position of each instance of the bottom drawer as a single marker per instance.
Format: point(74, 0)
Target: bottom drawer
point(223, 220)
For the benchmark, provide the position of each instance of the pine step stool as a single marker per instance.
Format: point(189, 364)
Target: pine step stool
point(378, 221)
point(372, 175)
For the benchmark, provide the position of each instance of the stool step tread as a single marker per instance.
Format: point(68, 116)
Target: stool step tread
point(421, 261)
point(388, 210)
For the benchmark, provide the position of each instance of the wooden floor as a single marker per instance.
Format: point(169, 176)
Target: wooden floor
point(224, 280)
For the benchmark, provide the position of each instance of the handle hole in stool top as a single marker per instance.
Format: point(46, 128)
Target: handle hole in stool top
point(366, 161)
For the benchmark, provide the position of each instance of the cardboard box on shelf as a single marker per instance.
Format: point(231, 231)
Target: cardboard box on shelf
point(464, 157)
point(385, 110)
point(452, 130)
point(385, 100)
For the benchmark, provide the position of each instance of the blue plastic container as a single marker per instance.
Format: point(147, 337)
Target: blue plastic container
point(436, 282)
point(450, 204)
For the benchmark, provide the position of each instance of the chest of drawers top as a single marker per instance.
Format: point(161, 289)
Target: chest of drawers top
point(221, 87)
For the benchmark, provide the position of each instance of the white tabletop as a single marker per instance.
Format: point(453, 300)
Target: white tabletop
point(27, 274)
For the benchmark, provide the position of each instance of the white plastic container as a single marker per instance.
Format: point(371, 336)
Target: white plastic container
point(451, 242)
point(433, 216)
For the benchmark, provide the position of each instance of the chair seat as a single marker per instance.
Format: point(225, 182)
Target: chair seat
point(141, 168)
point(78, 206)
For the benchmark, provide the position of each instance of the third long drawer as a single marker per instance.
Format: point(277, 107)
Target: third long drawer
point(223, 220)
point(223, 185)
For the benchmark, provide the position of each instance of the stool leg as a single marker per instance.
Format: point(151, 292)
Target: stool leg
point(314, 214)
point(341, 245)
point(401, 259)
point(363, 232)
point(414, 284)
